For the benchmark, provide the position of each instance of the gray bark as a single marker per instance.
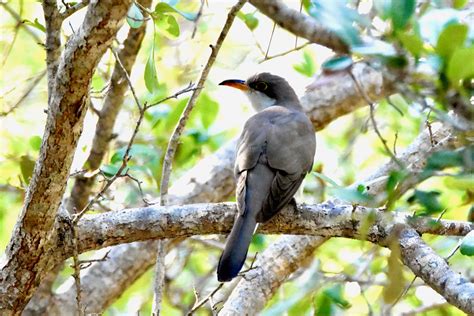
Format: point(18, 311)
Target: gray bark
point(28, 253)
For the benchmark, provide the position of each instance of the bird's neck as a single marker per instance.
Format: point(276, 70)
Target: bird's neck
point(261, 101)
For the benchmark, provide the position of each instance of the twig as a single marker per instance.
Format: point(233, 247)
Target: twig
point(198, 304)
point(395, 144)
point(270, 41)
point(19, 20)
point(159, 278)
point(285, 53)
point(424, 308)
point(139, 184)
point(30, 88)
point(196, 21)
point(405, 291)
point(173, 142)
point(372, 119)
point(70, 10)
point(15, 35)
point(296, 37)
point(127, 77)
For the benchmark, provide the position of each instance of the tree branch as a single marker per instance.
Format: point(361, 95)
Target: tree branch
point(27, 256)
point(327, 219)
point(435, 271)
point(299, 24)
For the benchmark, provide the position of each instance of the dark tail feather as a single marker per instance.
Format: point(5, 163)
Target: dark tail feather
point(235, 251)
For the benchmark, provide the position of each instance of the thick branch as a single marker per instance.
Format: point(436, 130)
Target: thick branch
point(54, 22)
point(435, 271)
point(27, 255)
point(290, 251)
point(299, 24)
point(326, 219)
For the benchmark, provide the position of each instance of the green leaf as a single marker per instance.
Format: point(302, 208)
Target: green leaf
point(326, 179)
point(349, 195)
point(459, 4)
point(163, 7)
point(401, 12)
point(459, 67)
point(460, 182)
point(36, 24)
point(467, 245)
point(144, 152)
point(375, 48)
point(398, 100)
point(27, 165)
point(429, 201)
point(249, 19)
point(307, 67)
point(35, 143)
point(411, 42)
point(335, 293)
point(383, 8)
point(151, 77)
point(173, 26)
point(337, 64)
point(339, 18)
point(396, 282)
point(258, 242)
point(366, 224)
point(167, 25)
point(134, 16)
point(208, 110)
point(110, 170)
point(434, 21)
point(393, 180)
point(452, 37)
point(445, 159)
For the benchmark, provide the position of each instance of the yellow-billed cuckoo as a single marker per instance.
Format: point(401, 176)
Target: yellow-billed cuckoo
point(274, 153)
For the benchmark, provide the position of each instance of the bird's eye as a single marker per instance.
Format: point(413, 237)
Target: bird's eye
point(261, 86)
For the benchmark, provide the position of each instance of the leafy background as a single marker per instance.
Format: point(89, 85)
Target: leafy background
point(434, 39)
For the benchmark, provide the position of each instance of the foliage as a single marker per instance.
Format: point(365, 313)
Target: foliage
point(430, 43)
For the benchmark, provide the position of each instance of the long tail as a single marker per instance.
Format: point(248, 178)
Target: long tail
point(235, 251)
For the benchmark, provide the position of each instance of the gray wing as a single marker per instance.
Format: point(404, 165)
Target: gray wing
point(275, 151)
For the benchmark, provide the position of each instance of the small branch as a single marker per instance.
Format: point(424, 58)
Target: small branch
point(159, 278)
point(372, 119)
point(270, 40)
point(28, 90)
point(173, 142)
point(70, 10)
point(200, 303)
point(54, 22)
point(300, 24)
point(284, 53)
point(18, 19)
point(198, 16)
point(15, 35)
point(127, 77)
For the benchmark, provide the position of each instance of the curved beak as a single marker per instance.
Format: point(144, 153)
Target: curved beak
point(235, 83)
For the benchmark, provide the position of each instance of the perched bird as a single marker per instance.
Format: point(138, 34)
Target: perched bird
point(274, 153)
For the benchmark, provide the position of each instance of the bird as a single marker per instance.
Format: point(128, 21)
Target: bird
point(275, 151)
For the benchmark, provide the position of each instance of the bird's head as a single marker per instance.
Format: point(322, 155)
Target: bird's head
point(265, 90)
